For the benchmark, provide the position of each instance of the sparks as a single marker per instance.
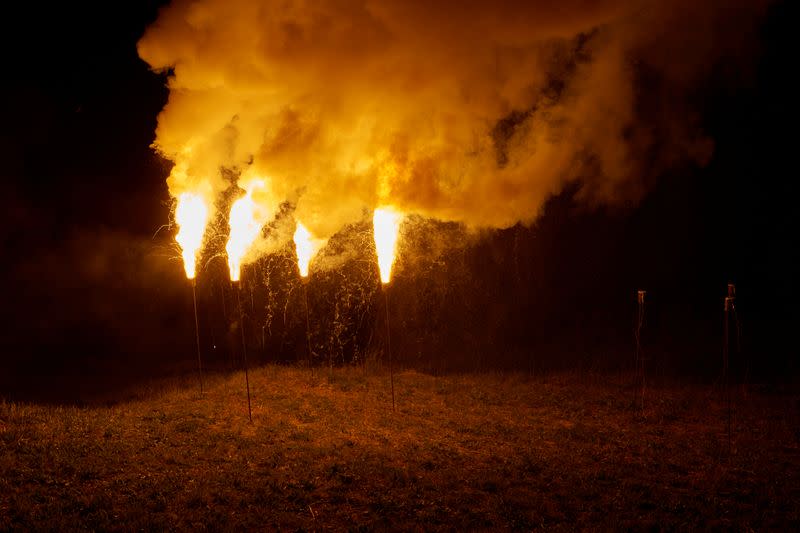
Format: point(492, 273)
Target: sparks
point(191, 216)
point(244, 229)
point(386, 226)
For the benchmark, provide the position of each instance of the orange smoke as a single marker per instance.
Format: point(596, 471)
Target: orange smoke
point(473, 111)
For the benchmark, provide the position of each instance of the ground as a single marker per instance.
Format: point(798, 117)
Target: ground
point(490, 451)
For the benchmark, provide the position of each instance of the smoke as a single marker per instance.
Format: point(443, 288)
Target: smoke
point(472, 111)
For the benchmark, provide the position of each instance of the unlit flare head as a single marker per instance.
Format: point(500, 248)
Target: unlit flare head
point(386, 228)
point(191, 216)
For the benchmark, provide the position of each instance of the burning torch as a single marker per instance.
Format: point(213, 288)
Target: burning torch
point(386, 229)
point(244, 228)
point(191, 216)
point(305, 247)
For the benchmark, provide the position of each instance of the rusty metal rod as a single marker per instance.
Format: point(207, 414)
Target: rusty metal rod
point(308, 329)
point(244, 350)
point(197, 334)
point(389, 342)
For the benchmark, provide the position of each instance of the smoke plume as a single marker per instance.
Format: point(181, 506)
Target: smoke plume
point(469, 111)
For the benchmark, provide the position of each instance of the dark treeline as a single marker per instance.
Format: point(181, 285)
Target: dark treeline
point(104, 310)
point(557, 296)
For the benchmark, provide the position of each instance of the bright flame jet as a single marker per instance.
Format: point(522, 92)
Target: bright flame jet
point(191, 215)
point(244, 229)
point(305, 247)
point(386, 227)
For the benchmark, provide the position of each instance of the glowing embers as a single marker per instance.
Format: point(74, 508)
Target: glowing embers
point(191, 215)
point(245, 226)
point(386, 227)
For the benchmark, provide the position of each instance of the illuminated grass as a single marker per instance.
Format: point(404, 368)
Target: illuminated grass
point(461, 452)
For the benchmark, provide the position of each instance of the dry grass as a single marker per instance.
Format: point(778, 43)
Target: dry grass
point(460, 452)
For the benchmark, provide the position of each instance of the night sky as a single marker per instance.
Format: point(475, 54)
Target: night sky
point(93, 288)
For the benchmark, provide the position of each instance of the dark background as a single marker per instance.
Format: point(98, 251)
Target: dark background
point(94, 298)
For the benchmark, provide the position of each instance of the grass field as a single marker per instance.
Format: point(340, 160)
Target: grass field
point(460, 452)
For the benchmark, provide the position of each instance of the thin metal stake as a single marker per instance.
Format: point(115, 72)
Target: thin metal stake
point(389, 341)
point(224, 307)
point(308, 330)
point(726, 369)
point(640, 295)
point(244, 350)
point(197, 335)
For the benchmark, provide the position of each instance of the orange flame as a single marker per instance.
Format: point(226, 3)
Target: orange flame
point(306, 248)
point(244, 229)
point(386, 227)
point(191, 216)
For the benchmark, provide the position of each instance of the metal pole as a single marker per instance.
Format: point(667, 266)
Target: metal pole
point(308, 329)
point(197, 335)
point(244, 350)
point(224, 307)
point(252, 300)
point(389, 342)
point(726, 365)
point(639, 358)
point(229, 347)
point(211, 322)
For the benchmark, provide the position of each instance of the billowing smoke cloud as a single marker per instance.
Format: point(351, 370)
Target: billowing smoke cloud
point(470, 111)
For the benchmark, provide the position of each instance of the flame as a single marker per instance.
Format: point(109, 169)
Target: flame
point(386, 226)
point(191, 215)
point(244, 229)
point(306, 248)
